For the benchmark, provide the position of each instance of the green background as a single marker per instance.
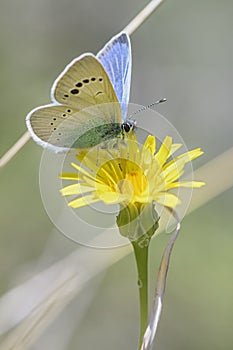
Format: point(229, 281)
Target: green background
point(184, 52)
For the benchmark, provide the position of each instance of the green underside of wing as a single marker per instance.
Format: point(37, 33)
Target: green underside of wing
point(97, 135)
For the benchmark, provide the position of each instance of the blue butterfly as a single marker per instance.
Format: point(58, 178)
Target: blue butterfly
point(89, 100)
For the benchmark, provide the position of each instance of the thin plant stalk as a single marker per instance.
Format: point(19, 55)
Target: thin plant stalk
point(15, 149)
point(142, 16)
point(152, 327)
point(141, 257)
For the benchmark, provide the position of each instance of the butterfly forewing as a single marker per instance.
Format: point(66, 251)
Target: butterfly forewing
point(84, 83)
point(117, 61)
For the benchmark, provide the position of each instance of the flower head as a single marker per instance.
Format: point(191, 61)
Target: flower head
point(130, 174)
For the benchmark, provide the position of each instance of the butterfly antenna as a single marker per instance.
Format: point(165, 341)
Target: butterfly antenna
point(146, 107)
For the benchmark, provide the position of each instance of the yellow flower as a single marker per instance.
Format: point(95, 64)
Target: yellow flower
point(130, 174)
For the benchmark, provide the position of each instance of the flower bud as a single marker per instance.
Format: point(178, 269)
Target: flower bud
point(138, 221)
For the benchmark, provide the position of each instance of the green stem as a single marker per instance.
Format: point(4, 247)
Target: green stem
point(141, 256)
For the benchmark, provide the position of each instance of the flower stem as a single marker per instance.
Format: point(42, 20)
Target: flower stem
point(141, 256)
point(151, 330)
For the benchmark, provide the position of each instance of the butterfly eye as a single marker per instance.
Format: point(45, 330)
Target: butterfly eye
point(128, 126)
point(125, 127)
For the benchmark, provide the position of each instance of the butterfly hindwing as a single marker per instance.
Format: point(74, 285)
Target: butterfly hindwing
point(61, 127)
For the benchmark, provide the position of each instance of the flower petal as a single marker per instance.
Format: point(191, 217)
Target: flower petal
point(185, 184)
point(82, 171)
point(69, 176)
point(133, 152)
point(187, 156)
point(150, 144)
point(112, 197)
point(174, 148)
point(174, 171)
point(76, 189)
point(81, 154)
point(106, 175)
point(164, 151)
point(83, 201)
point(167, 199)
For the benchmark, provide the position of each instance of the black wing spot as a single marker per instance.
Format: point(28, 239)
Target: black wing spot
point(54, 128)
point(79, 84)
point(68, 111)
point(74, 91)
point(93, 79)
point(100, 79)
point(66, 95)
point(54, 118)
point(64, 115)
point(85, 81)
point(51, 123)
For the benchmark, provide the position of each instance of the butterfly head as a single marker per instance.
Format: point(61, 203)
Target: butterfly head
point(128, 126)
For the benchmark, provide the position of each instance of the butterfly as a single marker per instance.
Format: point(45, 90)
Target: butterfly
point(89, 100)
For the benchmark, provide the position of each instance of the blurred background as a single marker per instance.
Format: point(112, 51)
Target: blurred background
point(182, 52)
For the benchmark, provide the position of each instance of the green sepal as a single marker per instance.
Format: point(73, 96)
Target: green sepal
point(138, 222)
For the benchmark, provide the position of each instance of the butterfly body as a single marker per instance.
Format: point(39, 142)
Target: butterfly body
point(90, 99)
point(97, 134)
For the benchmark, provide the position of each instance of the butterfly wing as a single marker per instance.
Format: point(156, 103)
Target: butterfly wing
point(61, 127)
point(83, 85)
point(117, 61)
